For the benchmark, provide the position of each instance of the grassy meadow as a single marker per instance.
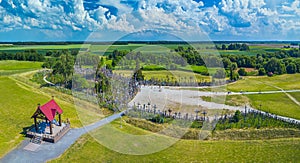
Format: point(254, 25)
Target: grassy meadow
point(13, 67)
point(278, 103)
point(173, 75)
point(279, 150)
point(264, 83)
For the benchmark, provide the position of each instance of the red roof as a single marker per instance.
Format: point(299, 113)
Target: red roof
point(50, 108)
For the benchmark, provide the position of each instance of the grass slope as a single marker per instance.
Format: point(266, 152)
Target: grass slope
point(279, 104)
point(18, 101)
point(87, 149)
point(252, 84)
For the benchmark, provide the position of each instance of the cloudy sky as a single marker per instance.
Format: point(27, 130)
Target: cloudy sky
point(110, 20)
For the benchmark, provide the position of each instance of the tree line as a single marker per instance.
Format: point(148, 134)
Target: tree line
point(236, 46)
point(27, 55)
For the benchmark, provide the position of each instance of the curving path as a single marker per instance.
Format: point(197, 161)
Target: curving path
point(44, 78)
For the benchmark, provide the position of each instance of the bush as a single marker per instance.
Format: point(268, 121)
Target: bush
point(242, 72)
point(261, 72)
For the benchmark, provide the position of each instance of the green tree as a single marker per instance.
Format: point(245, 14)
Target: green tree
point(237, 116)
point(223, 47)
point(242, 72)
point(291, 68)
point(226, 62)
point(64, 66)
point(79, 82)
point(273, 65)
point(220, 74)
point(232, 68)
point(138, 74)
point(261, 72)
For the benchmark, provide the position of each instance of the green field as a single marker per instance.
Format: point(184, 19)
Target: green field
point(296, 95)
point(281, 150)
point(14, 67)
point(172, 75)
point(255, 84)
point(145, 48)
point(19, 65)
point(44, 47)
point(279, 104)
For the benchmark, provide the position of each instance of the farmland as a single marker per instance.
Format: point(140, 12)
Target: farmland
point(255, 84)
point(13, 67)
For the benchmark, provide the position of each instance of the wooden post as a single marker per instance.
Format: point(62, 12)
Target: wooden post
point(35, 124)
point(59, 118)
point(50, 127)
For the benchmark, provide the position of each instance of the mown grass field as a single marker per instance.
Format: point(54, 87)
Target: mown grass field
point(87, 149)
point(13, 67)
point(17, 65)
point(181, 76)
point(278, 103)
point(255, 84)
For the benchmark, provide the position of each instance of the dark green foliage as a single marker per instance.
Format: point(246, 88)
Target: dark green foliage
point(242, 72)
point(261, 72)
point(241, 47)
point(237, 116)
point(232, 68)
point(27, 55)
point(220, 74)
point(274, 65)
point(38, 78)
point(62, 69)
point(252, 120)
point(138, 75)
point(291, 68)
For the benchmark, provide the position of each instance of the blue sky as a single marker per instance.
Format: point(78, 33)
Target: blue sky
point(111, 20)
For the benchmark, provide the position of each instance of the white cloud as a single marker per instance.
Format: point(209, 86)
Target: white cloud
point(120, 24)
point(231, 17)
point(294, 7)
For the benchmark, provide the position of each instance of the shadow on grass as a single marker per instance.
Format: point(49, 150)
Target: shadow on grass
point(25, 129)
